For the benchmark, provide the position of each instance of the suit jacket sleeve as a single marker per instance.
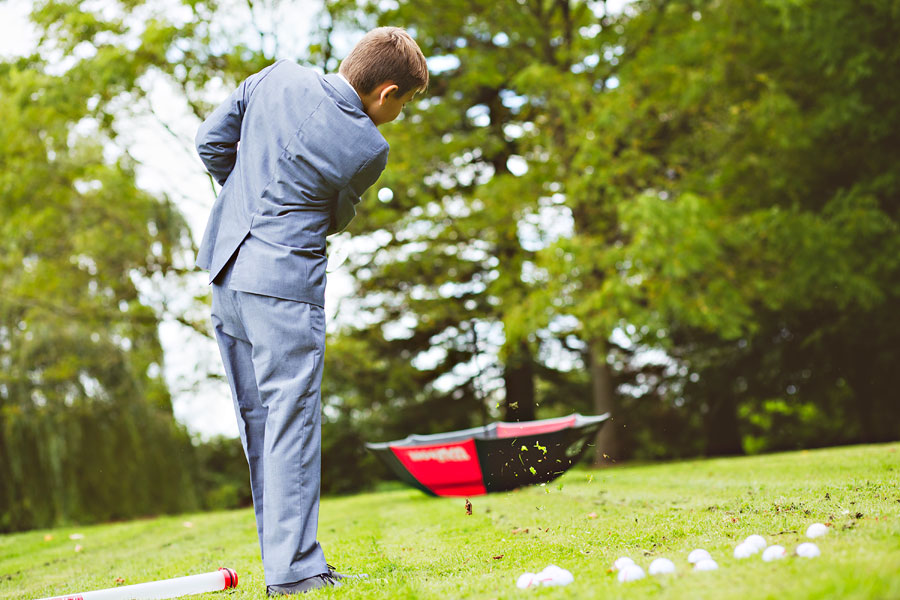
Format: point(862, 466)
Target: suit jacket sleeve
point(218, 136)
point(347, 199)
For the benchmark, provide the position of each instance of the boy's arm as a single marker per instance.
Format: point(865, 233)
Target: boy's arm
point(347, 199)
point(219, 134)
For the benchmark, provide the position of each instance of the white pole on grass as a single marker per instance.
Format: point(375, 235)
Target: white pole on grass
point(222, 579)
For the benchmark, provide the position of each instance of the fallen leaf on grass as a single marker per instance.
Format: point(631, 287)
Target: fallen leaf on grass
point(468, 507)
point(120, 581)
point(48, 537)
point(518, 530)
point(498, 557)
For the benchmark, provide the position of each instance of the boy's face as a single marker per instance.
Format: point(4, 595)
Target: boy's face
point(383, 104)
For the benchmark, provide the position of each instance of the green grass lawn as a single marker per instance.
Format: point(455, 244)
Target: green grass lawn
point(414, 546)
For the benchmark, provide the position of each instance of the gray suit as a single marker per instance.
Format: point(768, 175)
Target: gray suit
point(307, 152)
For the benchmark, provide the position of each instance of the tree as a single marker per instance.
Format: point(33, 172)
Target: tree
point(86, 426)
point(450, 247)
point(751, 149)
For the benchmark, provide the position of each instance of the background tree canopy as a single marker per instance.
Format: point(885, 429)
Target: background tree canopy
point(683, 212)
point(86, 424)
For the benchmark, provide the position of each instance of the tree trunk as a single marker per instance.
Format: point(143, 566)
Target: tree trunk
point(518, 377)
point(722, 435)
point(602, 391)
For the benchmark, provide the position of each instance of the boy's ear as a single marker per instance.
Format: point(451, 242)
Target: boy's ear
point(386, 91)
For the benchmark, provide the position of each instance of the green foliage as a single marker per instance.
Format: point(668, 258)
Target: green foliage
point(735, 197)
point(711, 183)
point(82, 397)
point(445, 271)
point(86, 426)
point(222, 478)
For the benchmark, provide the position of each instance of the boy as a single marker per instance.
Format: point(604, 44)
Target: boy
point(309, 147)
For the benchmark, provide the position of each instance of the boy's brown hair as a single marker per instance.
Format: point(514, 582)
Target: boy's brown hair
point(386, 54)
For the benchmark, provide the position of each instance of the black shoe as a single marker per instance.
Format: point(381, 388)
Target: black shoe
point(338, 576)
point(304, 585)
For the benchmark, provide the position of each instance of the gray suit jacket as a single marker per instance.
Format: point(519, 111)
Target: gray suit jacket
point(307, 152)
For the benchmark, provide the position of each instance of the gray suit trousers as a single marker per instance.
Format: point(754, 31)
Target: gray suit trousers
point(273, 351)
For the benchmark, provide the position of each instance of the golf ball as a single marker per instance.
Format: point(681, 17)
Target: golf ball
point(630, 573)
point(816, 530)
point(661, 566)
point(697, 555)
point(808, 550)
point(622, 562)
point(745, 550)
point(554, 575)
point(707, 564)
point(775, 552)
point(525, 580)
point(757, 541)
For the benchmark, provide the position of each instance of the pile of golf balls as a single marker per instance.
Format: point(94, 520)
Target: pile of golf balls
point(551, 575)
point(627, 570)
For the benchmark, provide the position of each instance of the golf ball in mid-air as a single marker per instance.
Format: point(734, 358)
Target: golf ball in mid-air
point(808, 550)
point(697, 555)
point(816, 530)
point(622, 562)
point(630, 573)
point(707, 564)
point(745, 550)
point(757, 541)
point(775, 552)
point(661, 566)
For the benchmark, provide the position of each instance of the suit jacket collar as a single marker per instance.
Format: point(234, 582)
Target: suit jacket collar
point(345, 90)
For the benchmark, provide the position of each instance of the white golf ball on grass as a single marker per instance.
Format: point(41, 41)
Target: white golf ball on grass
point(661, 566)
point(622, 562)
point(697, 555)
point(757, 541)
point(808, 550)
point(774, 552)
point(553, 575)
point(630, 573)
point(525, 580)
point(816, 530)
point(707, 564)
point(745, 550)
